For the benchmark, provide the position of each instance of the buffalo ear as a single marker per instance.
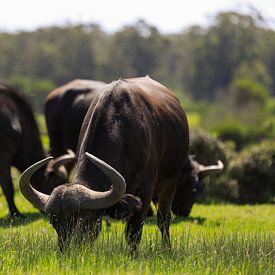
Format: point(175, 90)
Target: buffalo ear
point(125, 208)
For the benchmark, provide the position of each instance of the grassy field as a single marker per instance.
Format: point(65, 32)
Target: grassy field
point(216, 239)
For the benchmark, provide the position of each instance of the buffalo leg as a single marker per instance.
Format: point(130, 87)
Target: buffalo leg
point(150, 212)
point(134, 225)
point(8, 190)
point(133, 230)
point(165, 200)
point(164, 219)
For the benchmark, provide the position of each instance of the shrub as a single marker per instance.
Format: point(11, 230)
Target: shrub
point(232, 131)
point(208, 148)
point(254, 172)
point(242, 135)
point(246, 92)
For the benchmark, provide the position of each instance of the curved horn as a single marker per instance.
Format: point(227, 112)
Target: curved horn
point(64, 159)
point(98, 200)
point(36, 198)
point(209, 168)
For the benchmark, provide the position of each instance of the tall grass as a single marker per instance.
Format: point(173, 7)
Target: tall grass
point(216, 239)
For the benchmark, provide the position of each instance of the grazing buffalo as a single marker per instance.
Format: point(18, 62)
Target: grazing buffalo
point(190, 185)
point(65, 108)
point(138, 127)
point(21, 146)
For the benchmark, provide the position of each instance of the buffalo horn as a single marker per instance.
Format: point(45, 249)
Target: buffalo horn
point(219, 166)
point(36, 198)
point(64, 159)
point(99, 200)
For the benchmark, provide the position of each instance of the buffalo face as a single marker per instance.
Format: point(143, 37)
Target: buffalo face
point(75, 208)
point(187, 191)
point(76, 227)
point(190, 185)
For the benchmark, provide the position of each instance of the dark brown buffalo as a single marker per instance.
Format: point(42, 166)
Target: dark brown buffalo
point(21, 146)
point(139, 128)
point(190, 185)
point(65, 108)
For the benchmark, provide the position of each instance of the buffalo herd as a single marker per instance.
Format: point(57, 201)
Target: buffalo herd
point(128, 141)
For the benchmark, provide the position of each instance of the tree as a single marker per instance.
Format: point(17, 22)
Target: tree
point(135, 51)
point(231, 40)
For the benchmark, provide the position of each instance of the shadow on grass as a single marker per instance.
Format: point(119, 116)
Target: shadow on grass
point(196, 220)
point(175, 220)
point(18, 221)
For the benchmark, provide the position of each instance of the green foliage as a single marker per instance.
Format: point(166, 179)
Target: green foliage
point(242, 135)
point(219, 50)
point(255, 71)
point(201, 61)
point(36, 89)
point(254, 172)
point(207, 148)
point(194, 119)
point(247, 93)
point(235, 131)
point(245, 117)
point(135, 51)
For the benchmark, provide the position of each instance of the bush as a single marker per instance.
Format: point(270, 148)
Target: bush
point(246, 92)
point(208, 150)
point(254, 172)
point(242, 135)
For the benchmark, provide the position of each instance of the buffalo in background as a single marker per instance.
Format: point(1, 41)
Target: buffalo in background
point(191, 185)
point(65, 109)
point(138, 127)
point(21, 146)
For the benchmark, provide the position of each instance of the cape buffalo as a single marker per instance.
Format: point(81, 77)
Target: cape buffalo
point(21, 146)
point(190, 185)
point(138, 127)
point(65, 109)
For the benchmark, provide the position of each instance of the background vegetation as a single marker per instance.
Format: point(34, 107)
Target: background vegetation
point(224, 75)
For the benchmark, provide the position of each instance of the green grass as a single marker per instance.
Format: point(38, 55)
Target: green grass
point(216, 239)
point(40, 118)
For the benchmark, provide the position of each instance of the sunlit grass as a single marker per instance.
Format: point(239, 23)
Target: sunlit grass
point(216, 239)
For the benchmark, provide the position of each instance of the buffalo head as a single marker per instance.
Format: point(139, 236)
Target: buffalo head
point(190, 185)
point(74, 206)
